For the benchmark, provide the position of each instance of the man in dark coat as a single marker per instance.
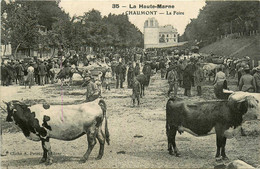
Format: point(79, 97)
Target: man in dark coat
point(4, 74)
point(187, 79)
point(120, 74)
point(147, 70)
point(42, 73)
point(162, 66)
point(137, 69)
point(130, 75)
point(36, 72)
point(20, 73)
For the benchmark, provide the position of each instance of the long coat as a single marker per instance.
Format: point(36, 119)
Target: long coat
point(199, 76)
point(188, 76)
point(42, 70)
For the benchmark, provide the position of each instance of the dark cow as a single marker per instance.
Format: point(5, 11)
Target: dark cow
point(66, 73)
point(144, 82)
point(199, 118)
point(40, 123)
point(154, 65)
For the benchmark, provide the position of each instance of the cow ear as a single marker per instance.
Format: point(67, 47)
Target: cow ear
point(33, 114)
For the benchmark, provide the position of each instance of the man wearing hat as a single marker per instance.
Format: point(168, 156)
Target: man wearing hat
point(147, 70)
point(30, 76)
point(92, 90)
point(257, 79)
point(172, 80)
point(247, 82)
point(120, 74)
point(42, 73)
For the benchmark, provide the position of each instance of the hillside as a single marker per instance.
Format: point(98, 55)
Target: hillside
point(244, 46)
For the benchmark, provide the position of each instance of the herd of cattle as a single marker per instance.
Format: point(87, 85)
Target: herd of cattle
point(41, 123)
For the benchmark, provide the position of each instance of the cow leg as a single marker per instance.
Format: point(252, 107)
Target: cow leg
point(141, 93)
point(91, 136)
point(176, 151)
point(138, 100)
point(44, 158)
point(101, 140)
point(223, 153)
point(169, 138)
point(47, 146)
point(221, 141)
point(171, 133)
point(143, 90)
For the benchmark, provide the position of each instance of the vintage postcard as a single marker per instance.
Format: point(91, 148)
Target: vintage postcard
point(129, 84)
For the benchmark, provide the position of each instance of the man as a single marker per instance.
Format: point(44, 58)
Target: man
point(187, 79)
point(137, 69)
point(199, 76)
point(20, 73)
point(30, 76)
point(92, 90)
point(247, 82)
point(162, 66)
point(120, 74)
point(130, 75)
point(172, 80)
point(42, 73)
point(220, 83)
point(257, 79)
point(147, 70)
point(4, 74)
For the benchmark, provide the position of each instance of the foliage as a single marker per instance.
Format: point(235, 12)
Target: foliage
point(21, 27)
point(223, 17)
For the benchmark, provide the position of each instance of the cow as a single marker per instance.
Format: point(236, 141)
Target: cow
point(63, 122)
point(154, 65)
point(66, 73)
point(144, 82)
point(199, 118)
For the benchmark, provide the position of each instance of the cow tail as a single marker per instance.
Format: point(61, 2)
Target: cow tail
point(103, 106)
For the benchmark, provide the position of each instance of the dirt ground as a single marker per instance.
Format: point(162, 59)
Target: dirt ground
point(138, 135)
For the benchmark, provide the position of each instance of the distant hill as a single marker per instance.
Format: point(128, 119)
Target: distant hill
point(243, 46)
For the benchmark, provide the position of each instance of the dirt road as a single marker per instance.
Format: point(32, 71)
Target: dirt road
point(138, 136)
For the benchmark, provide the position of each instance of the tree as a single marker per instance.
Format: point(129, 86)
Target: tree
point(21, 23)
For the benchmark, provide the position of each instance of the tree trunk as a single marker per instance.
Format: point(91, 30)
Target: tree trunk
point(53, 52)
point(4, 50)
point(15, 52)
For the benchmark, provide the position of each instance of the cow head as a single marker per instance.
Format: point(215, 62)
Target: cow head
point(247, 103)
point(240, 108)
point(10, 111)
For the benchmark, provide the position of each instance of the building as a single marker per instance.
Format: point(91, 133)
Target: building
point(156, 36)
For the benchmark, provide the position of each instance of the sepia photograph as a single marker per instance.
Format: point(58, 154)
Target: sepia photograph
point(130, 84)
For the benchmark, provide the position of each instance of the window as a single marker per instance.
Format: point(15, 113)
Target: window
point(146, 24)
point(151, 23)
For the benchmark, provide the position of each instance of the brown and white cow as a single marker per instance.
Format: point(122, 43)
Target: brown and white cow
point(62, 122)
point(199, 118)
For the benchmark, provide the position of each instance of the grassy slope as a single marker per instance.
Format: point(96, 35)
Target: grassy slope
point(228, 46)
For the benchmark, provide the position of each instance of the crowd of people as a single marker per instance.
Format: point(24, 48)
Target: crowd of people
point(125, 65)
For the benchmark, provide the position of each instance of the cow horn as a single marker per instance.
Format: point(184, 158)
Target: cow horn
point(5, 102)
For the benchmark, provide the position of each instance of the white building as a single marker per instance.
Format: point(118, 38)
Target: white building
point(156, 36)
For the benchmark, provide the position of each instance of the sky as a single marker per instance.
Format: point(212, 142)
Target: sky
point(178, 15)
